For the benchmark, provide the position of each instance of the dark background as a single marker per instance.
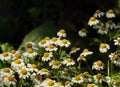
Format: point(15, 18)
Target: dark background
point(19, 17)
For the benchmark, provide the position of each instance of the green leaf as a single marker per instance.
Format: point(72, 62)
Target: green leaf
point(46, 29)
point(6, 47)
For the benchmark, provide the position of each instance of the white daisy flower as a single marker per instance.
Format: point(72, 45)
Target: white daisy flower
point(6, 71)
point(5, 56)
point(103, 48)
point(98, 65)
point(32, 67)
point(110, 14)
point(116, 83)
point(51, 47)
point(81, 57)
point(117, 41)
point(98, 14)
point(86, 52)
point(43, 71)
point(114, 57)
point(82, 32)
point(30, 53)
point(77, 79)
point(98, 26)
point(93, 21)
point(98, 78)
point(13, 52)
point(47, 56)
point(55, 64)
point(74, 50)
point(30, 44)
point(59, 84)
point(61, 33)
point(68, 84)
point(43, 43)
point(86, 77)
point(102, 30)
point(110, 25)
point(64, 43)
point(69, 61)
point(54, 40)
point(17, 56)
point(91, 85)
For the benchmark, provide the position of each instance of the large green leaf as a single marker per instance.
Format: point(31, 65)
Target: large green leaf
point(46, 29)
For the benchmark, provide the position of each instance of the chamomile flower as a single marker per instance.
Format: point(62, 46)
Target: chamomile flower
point(81, 58)
point(59, 84)
point(98, 26)
point(32, 67)
point(30, 53)
point(98, 14)
point(114, 57)
point(98, 78)
point(55, 64)
point(91, 85)
point(103, 48)
point(5, 56)
point(102, 30)
point(82, 32)
point(110, 25)
point(116, 83)
point(110, 14)
point(51, 47)
point(6, 71)
point(86, 52)
point(86, 77)
point(43, 43)
point(92, 21)
point(30, 44)
point(36, 79)
point(64, 43)
point(13, 52)
point(117, 41)
point(43, 71)
point(54, 40)
point(74, 50)
point(47, 56)
point(98, 65)
point(61, 33)
point(17, 56)
point(69, 61)
point(77, 79)
point(68, 84)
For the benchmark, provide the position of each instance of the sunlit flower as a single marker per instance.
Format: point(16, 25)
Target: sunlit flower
point(32, 67)
point(77, 79)
point(62, 33)
point(30, 53)
point(117, 41)
point(69, 61)
point(64, 43)
point(102, 30)
point(98, 78)
point(47, 56)
point(92, 21)
point(5, 56)
point(110, 25)
point(103, 48)
point(54, 40)
point(91, 85)
point(6, 71)
point(81, 57)
point(116, 83)
point(68, 84)
point(82, 32)
point(43, 43)
point(98, 14)
point(31, 45)
point(98, 65)
point(55, 64)
point(110, 14)
point(43, 71)
point(51, 47)
point(114, 57)
point(86, 52)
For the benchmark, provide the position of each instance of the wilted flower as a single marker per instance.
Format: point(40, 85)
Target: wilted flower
point(110, 14)
point(98, 14)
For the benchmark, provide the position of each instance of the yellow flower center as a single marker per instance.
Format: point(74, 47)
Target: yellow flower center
point(68, 59)
point(109, 22)
point(43, 70)
point(6, 70)
point(67, 82)
point(47, 38)
point(29, 45)
point(85, 50)
point(17, 61)
point(83, 30)
point(5, 54)
point(33, 65)
point(86, 74)
point(117, 82)
point(23, 71)
point(51, 46)
point(102, 28)
point(97, 11)
point(51, 83)
point(98, 76)
point(43, 41)
point(92, 19)
point(99, 63)
point(17, 55)
point(102, 45)
point(62, 31)
point(46, 54)
point(115, 57)
point(29, 51)
point(90, 85)
point(110, 11)
point(59, 83)
point(54, 39)
point(12, 51)
point(77, 77)
point(64, 41)
point(55, 62)
point(10, 78)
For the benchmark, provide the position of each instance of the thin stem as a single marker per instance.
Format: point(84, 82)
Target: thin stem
point(89, 68)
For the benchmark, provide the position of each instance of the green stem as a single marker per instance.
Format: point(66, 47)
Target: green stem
point(89, 68)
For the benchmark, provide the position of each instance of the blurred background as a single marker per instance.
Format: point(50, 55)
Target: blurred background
point(19, 17)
